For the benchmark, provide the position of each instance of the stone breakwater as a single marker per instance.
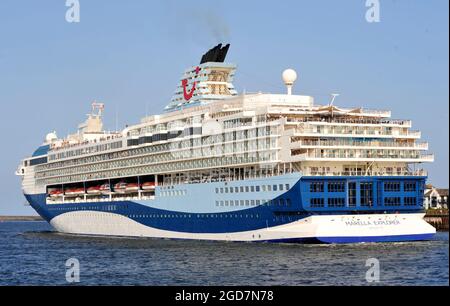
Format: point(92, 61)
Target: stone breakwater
point(438, 218)
point(20, 218)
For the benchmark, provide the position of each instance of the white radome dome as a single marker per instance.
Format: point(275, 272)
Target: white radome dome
point(289, 76)
point(51, 137)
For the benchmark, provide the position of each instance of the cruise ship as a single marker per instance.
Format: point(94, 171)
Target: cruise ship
point(220, 165)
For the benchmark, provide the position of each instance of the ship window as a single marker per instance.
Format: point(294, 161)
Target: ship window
point(287, 186)
point(352, 194)
point(242, 188)
point(280, 187)
point(258, 188)
point(263, 188)
point(336, 186)
point(231, 189)
point(336, 202)
point(392, 201)
point(316, 202)
point(252, 188)
point(247, 202)
point(366, 193)
point(410, 186)
point(274, 187)
point(217, 190)
point(247, 189)
point(410, 201)
point(221, 190)
point(316, 187)
point(236, 189)
point(258, 202)
point(226, 189)
point(392, 186)
point(38, 161)
point(242, 202)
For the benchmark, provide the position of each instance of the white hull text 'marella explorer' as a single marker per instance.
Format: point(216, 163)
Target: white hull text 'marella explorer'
point(217, 165)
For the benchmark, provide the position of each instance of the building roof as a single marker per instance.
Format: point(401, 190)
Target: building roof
point(441, 191)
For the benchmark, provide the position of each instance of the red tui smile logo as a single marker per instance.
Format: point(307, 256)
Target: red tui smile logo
point(188, 94)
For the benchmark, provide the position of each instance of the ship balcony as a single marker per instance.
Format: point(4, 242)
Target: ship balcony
point(353, 122)
point(313, 132)
point(349, 156)
point(412, 134)
point(351, 144)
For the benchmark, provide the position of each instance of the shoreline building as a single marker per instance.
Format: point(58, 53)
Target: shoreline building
point(435, 198)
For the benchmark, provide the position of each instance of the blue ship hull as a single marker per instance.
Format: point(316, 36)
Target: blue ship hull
point(206, 211)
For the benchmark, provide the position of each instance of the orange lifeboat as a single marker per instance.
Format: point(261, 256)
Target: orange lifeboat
point(120, 187)
point(105, 189)
point(56, 193)
point(94, 190)
point(149, 186)
point(73, 192)
point(132, 187)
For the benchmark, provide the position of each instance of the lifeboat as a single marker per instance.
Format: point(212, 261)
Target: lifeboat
point(94, 190)
point(105, 189)
point(71, 192)
point(132, 187)
point(56, 193)
point(148, 186)
point(120, 187)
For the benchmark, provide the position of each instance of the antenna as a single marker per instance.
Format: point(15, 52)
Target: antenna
point(334, 96)
point(117, 119)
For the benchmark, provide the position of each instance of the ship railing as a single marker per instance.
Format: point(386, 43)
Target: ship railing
point(367, 173)
point(374, 144)
point(429, 157)
point(391, 155)
point(276, 170)
point(406, 123)
point(66, 144)
point(302, 130)
point(420, 172)
point(414, 133)
point(384, 113)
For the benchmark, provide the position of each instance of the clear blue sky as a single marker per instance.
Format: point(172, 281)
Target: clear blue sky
point(130, 55)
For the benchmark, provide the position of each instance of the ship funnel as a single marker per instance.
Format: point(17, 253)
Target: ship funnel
point(216, 54)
